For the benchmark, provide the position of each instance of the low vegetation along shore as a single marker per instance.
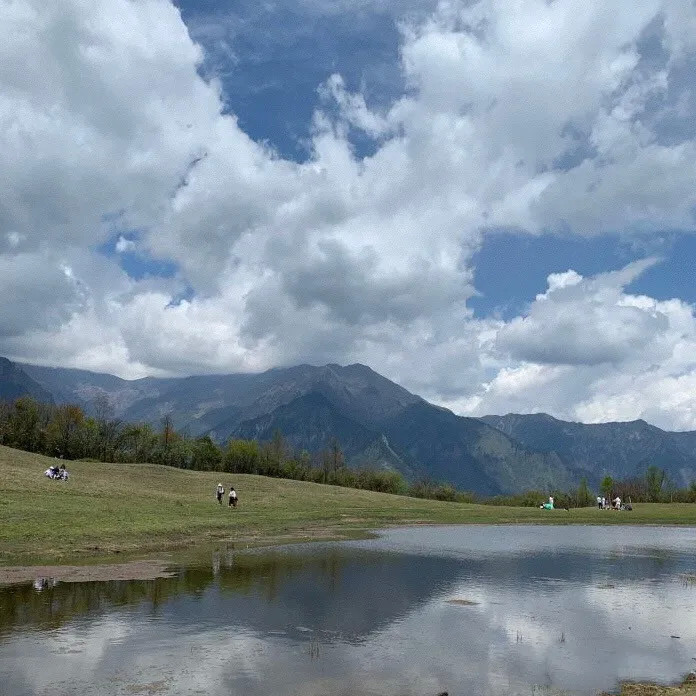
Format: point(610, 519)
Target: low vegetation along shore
point(687, 688)
point(115, 508)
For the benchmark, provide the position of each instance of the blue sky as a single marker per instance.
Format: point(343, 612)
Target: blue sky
point(272, 57)
point(491, 203)
point(510, 269)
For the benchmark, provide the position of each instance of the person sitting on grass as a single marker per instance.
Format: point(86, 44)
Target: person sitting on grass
point(233, 498)
point(547, 506)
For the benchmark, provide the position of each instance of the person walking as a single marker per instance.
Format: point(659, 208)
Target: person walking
point(599, 502)
point(233, 498)
point(219, 492)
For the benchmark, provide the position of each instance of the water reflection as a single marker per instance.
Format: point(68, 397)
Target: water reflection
point(553, 609)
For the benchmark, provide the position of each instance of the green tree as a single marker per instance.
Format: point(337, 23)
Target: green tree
point(607, 486)
point(109, 428)
point(168, 433)
point(206, 455)
point(583, 497)
point(242, 457)
point(138, 443)
point(654, 481)
point(277, 452)
point(66, 431)
point(24, 424)
point(337, 458)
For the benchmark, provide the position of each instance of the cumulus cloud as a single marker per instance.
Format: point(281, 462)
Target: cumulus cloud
point(589, 350)
point(586, 322)
point(535, 116)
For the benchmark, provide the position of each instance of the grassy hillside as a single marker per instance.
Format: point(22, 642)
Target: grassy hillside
point(108, 508)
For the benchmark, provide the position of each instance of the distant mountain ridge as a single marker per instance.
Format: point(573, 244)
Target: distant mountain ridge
point(378, 423)
point(15, 382)
point(622, 450)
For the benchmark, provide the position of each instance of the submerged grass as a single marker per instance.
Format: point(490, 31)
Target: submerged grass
point(107, 508)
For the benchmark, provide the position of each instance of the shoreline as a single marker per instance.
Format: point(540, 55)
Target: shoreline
point(111, 552)
point(144, 562)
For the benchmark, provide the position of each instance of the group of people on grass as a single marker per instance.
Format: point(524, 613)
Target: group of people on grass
point(602, 503)
point(57, 473)
point(232, 498)
point(616, 504)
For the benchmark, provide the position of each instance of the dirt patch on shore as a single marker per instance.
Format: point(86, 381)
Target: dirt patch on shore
point(134, 570)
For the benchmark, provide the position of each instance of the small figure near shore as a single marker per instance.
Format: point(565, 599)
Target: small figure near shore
point(233, 498)
point(600, 502)
point(219, 492)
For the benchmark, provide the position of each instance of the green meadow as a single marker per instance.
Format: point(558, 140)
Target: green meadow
point(107, 509)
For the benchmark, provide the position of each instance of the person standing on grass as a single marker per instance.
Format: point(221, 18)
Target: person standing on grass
point(233, 498)
point(599, 502)
point(219, 491)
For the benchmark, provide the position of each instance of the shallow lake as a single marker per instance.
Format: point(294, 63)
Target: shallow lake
point(469, 610)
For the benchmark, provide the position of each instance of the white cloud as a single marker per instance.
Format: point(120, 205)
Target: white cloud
point(586, 323)
point(593, 352)
point(123, 244)
point(532, 115)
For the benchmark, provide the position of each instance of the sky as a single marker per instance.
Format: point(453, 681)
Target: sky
point(490, 202)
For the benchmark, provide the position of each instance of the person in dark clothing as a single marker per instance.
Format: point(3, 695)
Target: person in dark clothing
point(233, 498)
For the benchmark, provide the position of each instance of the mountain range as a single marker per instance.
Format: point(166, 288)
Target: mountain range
point(377, 422)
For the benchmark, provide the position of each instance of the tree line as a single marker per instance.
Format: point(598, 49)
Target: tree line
point(654, 486)
point(67, 431)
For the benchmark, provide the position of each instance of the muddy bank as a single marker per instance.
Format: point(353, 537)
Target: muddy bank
point(134, 570)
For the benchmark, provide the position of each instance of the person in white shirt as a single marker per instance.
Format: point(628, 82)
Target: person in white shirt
point(617, 503)
point(599, 502)
point(219, 491)
point(233, 498)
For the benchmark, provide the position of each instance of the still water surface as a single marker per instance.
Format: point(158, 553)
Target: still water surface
point(546, 610)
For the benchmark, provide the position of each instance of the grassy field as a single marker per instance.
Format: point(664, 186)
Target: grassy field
point(107, 508)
